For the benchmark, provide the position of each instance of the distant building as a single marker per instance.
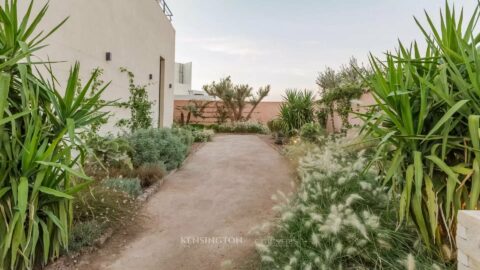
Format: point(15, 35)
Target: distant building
point(183, 84)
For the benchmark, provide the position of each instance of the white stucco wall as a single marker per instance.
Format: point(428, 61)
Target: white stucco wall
point(137, 33)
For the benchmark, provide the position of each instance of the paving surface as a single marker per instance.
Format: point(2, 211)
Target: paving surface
point(202, 216)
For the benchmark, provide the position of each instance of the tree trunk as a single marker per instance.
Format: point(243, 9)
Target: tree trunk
point(252, 110)
point(189, 115)
point(182, 118)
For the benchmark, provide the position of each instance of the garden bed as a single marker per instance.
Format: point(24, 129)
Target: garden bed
point(118, 236)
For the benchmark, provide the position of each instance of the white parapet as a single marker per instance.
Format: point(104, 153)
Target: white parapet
point(468, 240)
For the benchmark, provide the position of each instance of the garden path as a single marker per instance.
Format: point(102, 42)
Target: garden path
point(223, 190)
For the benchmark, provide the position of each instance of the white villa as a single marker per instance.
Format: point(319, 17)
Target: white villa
point(110, 34)
point(183, 84)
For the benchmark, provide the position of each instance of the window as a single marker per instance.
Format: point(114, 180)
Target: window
point(181, 74)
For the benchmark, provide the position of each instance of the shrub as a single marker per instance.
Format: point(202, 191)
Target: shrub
point(312, 132)
point(39, 123)
point(185, 135)
point(84, 234)
point(158, 146)
point(149, 174)
point(130, 186)
point(107, 154)
point(340, 219)
point(242, 127)
point(276, 127)
point(426, 123)
point(108, 207)
point(297, 110)
point(205, 135)
point(197, 126)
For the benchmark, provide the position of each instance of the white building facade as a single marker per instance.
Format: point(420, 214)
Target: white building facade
point(112, 34)
point(183, 78)
point(183, 84)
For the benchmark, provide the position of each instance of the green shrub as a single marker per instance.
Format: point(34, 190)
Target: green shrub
point(106, 154)
point(340, 218)
point(84, 234)
point(277, 129)
point(130, 186)
point(242, 127)
point(312, 132)
point(149, 174)
point(158, 146)
point(275, 125)
point(197, 126)
point(185, 135)
point(204, 135)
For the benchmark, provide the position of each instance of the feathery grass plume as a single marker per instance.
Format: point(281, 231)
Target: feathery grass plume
point(340, 218)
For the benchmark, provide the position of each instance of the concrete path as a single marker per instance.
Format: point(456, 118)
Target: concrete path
point(202, 215)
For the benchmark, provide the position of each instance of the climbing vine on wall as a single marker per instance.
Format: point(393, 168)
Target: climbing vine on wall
point(139, 104)
point(338, 89)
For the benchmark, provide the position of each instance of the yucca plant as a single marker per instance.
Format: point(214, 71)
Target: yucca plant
point(297, 109)
point(39, 175)
point(427, 124)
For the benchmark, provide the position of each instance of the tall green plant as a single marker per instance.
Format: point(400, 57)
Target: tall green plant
point(426, 120)
point(297, 109)
point(38, 135)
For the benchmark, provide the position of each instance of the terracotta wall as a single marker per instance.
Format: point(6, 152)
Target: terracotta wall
point(267, 111)
point(361, 105)
point(264, 112)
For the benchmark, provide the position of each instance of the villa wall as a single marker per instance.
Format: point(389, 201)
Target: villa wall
point(136, 33)
point(264, 112)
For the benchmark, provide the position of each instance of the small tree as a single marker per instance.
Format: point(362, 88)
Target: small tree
point(235, 98)
point(338, 89)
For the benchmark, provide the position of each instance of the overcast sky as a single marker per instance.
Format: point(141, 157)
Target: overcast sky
point(287, 43)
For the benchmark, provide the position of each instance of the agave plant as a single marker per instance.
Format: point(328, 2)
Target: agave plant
point(426, 120)
point(38, 135)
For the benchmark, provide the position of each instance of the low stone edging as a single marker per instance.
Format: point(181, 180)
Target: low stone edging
point(69, 260)
point(147, 193)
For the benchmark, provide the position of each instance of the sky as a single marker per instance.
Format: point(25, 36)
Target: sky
point(286, 44)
